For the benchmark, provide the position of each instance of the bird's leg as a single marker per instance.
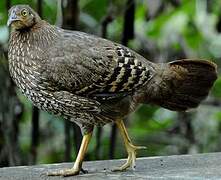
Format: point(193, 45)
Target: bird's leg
point(131, 149)
point(79, 160)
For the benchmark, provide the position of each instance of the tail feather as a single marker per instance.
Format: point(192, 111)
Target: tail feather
point(181, 84)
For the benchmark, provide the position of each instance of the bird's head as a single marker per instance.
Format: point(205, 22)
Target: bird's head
point(22, 17)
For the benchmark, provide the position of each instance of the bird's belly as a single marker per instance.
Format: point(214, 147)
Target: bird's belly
point(58, 108)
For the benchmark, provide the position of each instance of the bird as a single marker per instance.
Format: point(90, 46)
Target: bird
point(93, 81)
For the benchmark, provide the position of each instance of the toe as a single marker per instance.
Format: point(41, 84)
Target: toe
point(65, 172)
point(70, 172)
point(141, 147)
point(138, 147)
point(55, 173)
point(133, 161)
point(125, 165)
point(121, 168)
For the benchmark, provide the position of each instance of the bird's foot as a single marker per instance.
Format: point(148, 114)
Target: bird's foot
point(65, 172)
point(131, 159)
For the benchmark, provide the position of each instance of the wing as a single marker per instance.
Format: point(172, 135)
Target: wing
point(94, 67)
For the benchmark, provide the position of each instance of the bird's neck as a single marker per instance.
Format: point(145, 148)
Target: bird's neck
point(26, 50)
point(41, 35)
point(27, 46)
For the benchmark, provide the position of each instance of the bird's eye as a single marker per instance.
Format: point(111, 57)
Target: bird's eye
point(24, 12)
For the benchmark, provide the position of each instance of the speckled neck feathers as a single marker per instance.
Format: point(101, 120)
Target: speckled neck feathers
point(26, 49)
point(40, 35)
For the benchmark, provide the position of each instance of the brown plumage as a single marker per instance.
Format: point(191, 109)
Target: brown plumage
point(93, 81)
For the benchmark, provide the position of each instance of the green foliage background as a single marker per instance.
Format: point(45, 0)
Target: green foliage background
point(189, 30)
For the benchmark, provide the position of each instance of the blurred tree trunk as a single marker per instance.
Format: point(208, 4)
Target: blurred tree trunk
point(34, 135)
point(10, 112)
point(70, 13)
point(186, 129)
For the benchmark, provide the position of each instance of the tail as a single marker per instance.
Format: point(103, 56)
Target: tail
point(182, 84)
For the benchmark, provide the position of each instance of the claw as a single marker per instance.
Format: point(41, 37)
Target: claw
point(84, 171)
point(131, 160)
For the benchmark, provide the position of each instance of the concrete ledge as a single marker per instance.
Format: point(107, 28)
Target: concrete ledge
point(197, 167)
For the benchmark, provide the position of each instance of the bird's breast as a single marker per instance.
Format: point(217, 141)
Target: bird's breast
point(25, 70)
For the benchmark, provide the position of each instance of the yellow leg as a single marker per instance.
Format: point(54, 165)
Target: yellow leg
point(79, 160)
point(131, 149)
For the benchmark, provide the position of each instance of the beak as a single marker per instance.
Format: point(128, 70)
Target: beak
point(12, 17)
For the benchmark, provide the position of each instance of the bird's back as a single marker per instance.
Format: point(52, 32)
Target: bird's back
point(95, 67)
